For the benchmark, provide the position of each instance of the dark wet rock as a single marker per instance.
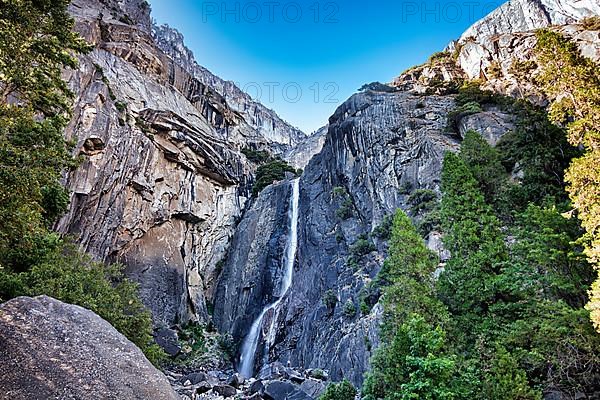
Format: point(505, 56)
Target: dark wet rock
point(236, 380)
point(168, 340)
point(194, 378)
point(203, 387)
point(257, 387)
point(284, 391)
point(53, 350)
point(225, 390)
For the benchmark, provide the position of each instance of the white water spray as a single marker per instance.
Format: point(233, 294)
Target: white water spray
point(251, 341)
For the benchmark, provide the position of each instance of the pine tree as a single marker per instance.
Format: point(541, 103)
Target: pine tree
point(572, 82)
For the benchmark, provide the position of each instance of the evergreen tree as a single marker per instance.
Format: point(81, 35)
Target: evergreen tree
point(572, 81)
point(474, 239)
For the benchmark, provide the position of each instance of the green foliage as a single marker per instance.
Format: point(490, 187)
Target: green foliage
point(473, 237)
point(440, 56)
point(37, 42)
point(369, 296)
point(362, 247)
point(383, 231)
point(70, 276)
point(120, 106)
point(407, 278)
point(460, 112)
point(422, 200)
point(377, 87)
point(591, 23)
point(508, 381)
point(484, 162)
point(345, 209)
point(257, 156)
point(572, 82)
point(270, 172)
point(415, 364)
point(339, 391)
point(349, 309)
point(339, 191)
point(330, 299)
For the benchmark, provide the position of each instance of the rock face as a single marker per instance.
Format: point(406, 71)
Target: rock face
point(253, 268)
point(527, 15)
point(281, 137)
point(53, 350)
point(163, 182)
point(376, 143)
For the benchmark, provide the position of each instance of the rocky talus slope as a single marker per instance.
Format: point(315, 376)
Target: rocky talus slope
point(53, 350)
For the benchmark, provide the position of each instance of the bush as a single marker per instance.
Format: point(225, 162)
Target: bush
point(383, 231)
point(121, 106)
point(256, 156)
point(349, 309)
point(377, 87)
point(345, 210)
point(72, 277)
point(339, 391)
point(591, 23)
point(422, 200)
point(330, 299)
point(362, 247)
point(272, 171)
point(369, 296)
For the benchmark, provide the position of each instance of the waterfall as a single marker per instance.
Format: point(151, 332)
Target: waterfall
point(250, 343)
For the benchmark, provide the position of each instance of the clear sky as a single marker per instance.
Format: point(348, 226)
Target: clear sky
point(304, 58)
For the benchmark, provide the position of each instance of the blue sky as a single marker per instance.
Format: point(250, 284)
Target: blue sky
point(304, 58)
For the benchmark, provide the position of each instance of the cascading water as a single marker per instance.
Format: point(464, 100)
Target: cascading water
point(251, 341)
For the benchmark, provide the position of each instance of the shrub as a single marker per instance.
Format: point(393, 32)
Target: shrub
point(591, 23)
point(349, 309)
point(377, 87)
point(339, 191)
point(369, 296)
point(422, 200)
point(256, 156)
point(383, 231)
point(267, 173)
point(362, 247)
point(121, 106)
point(339, 391)
point(440, 56)
point(330, 299)
point(345, 210)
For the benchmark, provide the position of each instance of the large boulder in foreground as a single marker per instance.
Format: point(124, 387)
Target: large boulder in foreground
point(53, 350)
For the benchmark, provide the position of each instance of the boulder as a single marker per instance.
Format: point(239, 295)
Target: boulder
point(203, 387)
point(225, 390)
point(53, 350)
point(236, 380)
point(278, 390)
point(257, 387)
point(194, 378)
point(168, 340)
